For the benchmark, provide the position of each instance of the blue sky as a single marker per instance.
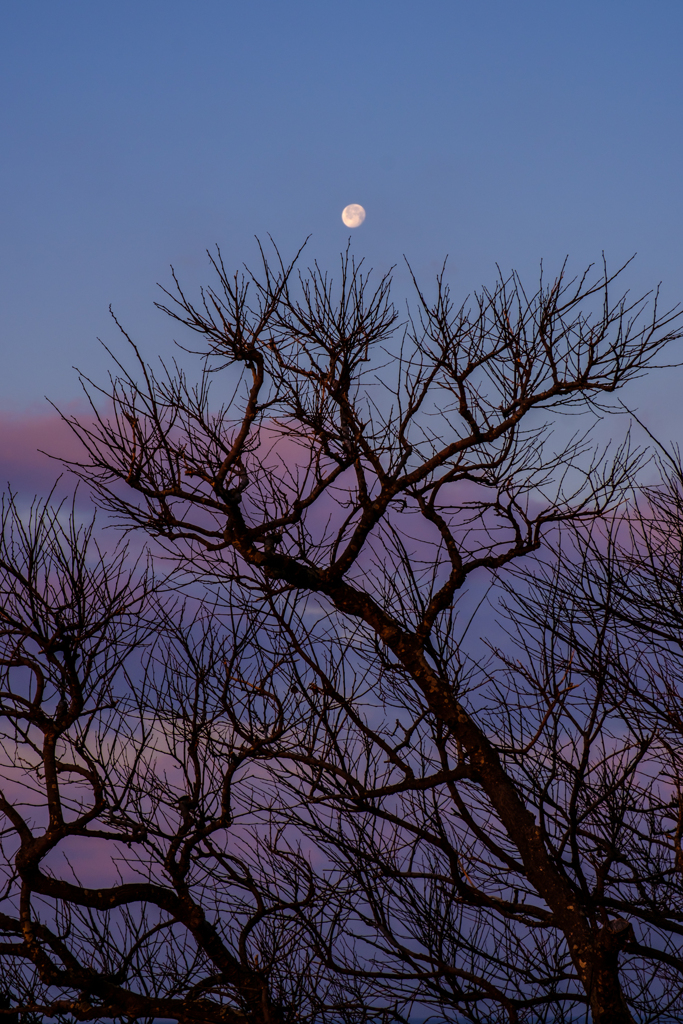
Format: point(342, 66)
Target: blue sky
point(137, 134)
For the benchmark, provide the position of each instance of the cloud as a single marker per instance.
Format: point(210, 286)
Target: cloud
point(31, 445)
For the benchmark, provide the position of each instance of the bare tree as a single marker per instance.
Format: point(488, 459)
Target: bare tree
point(137, 878)
point(419, 843)
point(606, 616)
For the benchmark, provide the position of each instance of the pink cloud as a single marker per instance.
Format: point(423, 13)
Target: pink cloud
point(24, 440)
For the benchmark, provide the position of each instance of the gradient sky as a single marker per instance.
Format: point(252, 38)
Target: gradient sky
point(137, 133)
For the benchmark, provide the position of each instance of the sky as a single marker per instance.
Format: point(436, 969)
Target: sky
point(139, 134)
point(136, 134)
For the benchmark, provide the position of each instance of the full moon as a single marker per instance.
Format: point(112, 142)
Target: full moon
point(353, 215)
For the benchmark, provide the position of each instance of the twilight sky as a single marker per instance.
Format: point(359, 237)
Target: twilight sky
point(135, 135)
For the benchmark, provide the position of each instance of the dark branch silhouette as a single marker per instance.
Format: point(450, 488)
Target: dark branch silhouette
point(322, 805)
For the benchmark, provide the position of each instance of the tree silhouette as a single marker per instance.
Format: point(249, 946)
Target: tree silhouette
point(323, 805)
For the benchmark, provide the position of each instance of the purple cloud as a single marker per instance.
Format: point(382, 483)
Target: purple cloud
point(31, 445)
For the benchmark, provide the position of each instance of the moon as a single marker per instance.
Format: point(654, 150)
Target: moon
point(353, 215)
